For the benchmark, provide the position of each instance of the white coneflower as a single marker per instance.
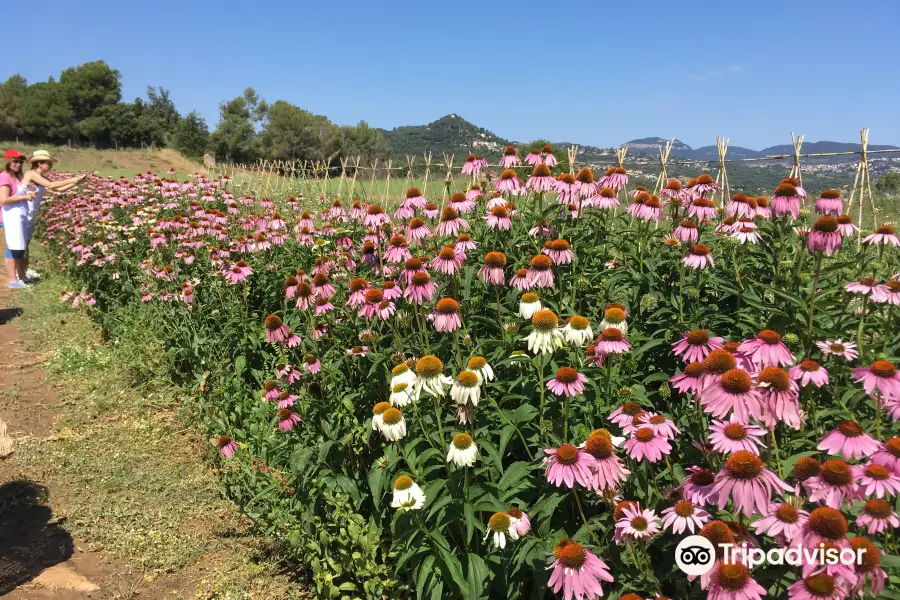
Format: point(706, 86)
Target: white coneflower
point(378, 415)
point(430, 376)
point(614, 318)
point(466, 389)
point(402, 374)
point(400, 395)
point(578, 332)
point(500, 525)
point(545, 336)
point(529, 304)
point(407, 494)
point(463, 450)
point(393, 425)
point(480, 365)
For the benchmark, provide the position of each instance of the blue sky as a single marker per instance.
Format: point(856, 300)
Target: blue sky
point(596, 73)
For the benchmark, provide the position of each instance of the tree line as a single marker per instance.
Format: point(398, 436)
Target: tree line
point(85, 107)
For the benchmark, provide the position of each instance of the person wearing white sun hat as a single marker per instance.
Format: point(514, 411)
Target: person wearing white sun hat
point(35, 180)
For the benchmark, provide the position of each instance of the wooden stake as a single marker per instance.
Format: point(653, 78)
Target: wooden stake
point(572, 151)
point(427, 172)
point(722, 175)
point(663, 177)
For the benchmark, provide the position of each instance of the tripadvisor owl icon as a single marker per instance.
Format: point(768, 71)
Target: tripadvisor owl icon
point(695, 555)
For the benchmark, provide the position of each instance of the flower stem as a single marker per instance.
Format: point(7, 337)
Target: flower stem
point(859, 330)
point(583, 518)
point(814, 288)
point(888, 331)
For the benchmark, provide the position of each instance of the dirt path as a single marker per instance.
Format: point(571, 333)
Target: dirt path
point(46, 493)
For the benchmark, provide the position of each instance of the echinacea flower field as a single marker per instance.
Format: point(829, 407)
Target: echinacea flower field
point(525, 383)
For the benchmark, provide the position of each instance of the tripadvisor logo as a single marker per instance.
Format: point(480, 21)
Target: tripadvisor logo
point(696, 555)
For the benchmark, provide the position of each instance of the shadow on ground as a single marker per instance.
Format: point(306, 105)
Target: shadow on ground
point(29, 541)
point(8, 314)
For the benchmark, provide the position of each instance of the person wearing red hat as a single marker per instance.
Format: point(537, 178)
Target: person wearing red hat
point(14, 199)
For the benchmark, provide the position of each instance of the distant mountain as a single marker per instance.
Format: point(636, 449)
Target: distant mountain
point(451, 134)
point(650, 145)
point(818, 147)
point(711, 153)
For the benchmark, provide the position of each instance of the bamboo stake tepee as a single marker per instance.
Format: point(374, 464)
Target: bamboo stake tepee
point(862, 182)
point(722, 175)
point(663, 169)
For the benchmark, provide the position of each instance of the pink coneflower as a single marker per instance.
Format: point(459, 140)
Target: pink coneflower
point(889, 455)
point(492, 270)
point(609, 472)
point(733, 393)
point(498, 218)
point(835, 482)
point(462, 202)
point(584, 181)
point(496, 199)
point(369, 308)
point(357, 288)
point(450, 223)
point(533, 157)
point(809, 372)
point(689, 380)
point(566, 189)
point(411, 267)
point(702, 209)
point(305, 296)
point(745, 481)
point(766, 349)
point(417, 230)
point(541, 180)
point(849, 439)
point(276, 331)
point(623, 415)
point(238, 272)
point(784, 520)
point(520, 280)
point(684, 516)
point(358, 351)
point(464, 243)
point(661, 426)
point(869, 570)
point(819, 586)
point(567, 382)
point(540, 229)
point(448, 261)
point(540, 273)
point(472, 166)
point(286, 399)
point(431, 210)
point(671, 190)
point(730, 436)
point(740, 206)
point(558, 251)
point(509, 183)
point(390, 290)
point(883, 236)
point(605, 199)
point(510, 158)
point(637, 524)
point(226, 446)
point(698, 257)
point(649, 208)
point(547, 155)
point(845, 226)
point(414, 198)
point(889, 293)
point(866, 286)
point(876, 480)
point(311, 363)
point(746, 235)
point(520, 523)
point(287, 419)
point(645, 443)
point(397, 251)
point(321, 286)
point(824, 236)
point(780, 396)
point(732, 581)
point(615, 178)
point(786, 202)
point(385, 310)
point(447, 317)
point(694, 346)
point(845, 350)
point(698, 486)
point(877, 516)
point(568, 465)
point(577, 572)
point(881, 375)
point(611, 341)
point(829, 203)
point(686, 232)
point(375, 217)
point(420, 289)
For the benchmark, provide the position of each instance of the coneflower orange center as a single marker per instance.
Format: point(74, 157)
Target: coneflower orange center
point(477, 362)
point(718, 533)
point(684, 508)
point(614, 315)
point(392, 416)
point(421, 278)
point(870, 556)
point(836, 472)
point(403, 482)
point(893, 446)
point(599, 446)
point(694, 369)
point(744, 465)
point(545, 320)
point(224, 440)
point(736, 381)
point(735, 431)
point(374, 296)
point(567, 454)
point(787, 513)
point(639, 523)
point(495, 259)
point(885, 230)
point(732, 576)
point(611, 334)
point(447, 306)
point(698, 337)
point(541, 263)
point(877, 472)
point(570, 554)
point(826, 224)
point(644, 434)
point(462, 440)
point(273, 322)
point(776, 378)
point(578, 322)
point(541, 170)
point(429, 366)
point(567, 375)
point(850, 429)
point(806, 467)
point(828, 523)
point(809, 366)
point(467, 378)
point(883, 368)
point(699, 250)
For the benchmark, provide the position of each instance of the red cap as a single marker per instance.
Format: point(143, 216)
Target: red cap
point(11, 154)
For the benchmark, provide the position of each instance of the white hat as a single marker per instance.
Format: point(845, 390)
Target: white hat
point(40, 155)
